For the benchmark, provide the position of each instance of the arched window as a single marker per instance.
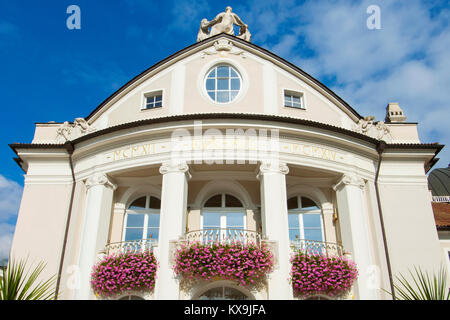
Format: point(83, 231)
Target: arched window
point(142, 219)
point(223, 212)
point(131, 297)
point(223, 293)
point(305, 219)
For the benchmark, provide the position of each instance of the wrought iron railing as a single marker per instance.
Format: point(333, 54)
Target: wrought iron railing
point(219, 235)
point(134, 246)
point(318, 247)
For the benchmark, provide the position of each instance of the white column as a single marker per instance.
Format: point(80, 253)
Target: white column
point(354, 231)
point(272, 176)
point(97, 220)
point(172, 225)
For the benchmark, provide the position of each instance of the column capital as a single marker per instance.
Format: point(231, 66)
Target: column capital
point(98, 179)
point(173, 166)
point(350, 179)
point(273, 167)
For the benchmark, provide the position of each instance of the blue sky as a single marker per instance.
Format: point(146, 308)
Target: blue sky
point(50, 73)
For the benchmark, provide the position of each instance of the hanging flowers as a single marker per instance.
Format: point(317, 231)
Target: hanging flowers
point(243, 264)
point(314, 274)
point(124, 272)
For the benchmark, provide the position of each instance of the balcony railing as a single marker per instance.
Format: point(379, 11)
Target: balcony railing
point(134, 246)
point(219, 235)
point(441, 199)
point(318, 247)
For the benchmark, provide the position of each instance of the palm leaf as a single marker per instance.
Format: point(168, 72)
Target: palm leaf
point(18, 283)
point(422, 286)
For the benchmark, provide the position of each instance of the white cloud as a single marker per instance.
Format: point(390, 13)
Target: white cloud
point(10, 196)
point(407, 61)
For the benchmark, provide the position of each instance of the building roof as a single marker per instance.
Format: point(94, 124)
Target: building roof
point(441, 215)
point(439, 181)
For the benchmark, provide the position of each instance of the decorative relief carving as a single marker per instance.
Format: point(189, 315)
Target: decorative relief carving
point(222, 47)
point(350, 179)
point(98, 179)
point(70, 131)
point(378, 130)
point(223, 23)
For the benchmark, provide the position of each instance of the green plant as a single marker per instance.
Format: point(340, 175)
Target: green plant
point(421, 286)
point(17, 283)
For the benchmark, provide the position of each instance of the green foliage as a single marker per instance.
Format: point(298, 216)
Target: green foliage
point(422, 286)
point(17, 283)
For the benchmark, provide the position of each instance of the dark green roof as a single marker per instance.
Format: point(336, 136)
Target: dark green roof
point(439, 181)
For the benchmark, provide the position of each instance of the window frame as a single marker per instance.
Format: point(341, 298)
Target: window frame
point(146, 211)
point(229, 90)
point(223, 210)
point(300, 212)
point(293, 93)
point(150, 94)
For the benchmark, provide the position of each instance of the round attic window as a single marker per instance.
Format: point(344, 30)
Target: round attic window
point(223, 83)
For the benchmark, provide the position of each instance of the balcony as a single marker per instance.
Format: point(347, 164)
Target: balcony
point(223, 236)
point(134, 246)
point(318, 247)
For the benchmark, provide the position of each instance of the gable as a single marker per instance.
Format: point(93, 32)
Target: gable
point(181, 79)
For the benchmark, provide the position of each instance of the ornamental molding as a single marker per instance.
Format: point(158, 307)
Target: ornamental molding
point(100, 179)
point(171, 167)
point(71, 131)
point(350, 180)
point(223, 47)
point(268, 167)
point(378, 130)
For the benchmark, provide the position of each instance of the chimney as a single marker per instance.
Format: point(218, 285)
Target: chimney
point(394, 113)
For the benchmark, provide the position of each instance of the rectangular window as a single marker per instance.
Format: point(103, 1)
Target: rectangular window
point(153, 100)
point(294, 99)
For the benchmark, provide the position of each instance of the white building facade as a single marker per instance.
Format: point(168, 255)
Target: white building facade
point(224, 135)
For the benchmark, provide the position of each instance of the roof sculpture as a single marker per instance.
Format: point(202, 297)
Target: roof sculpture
point(223, 23)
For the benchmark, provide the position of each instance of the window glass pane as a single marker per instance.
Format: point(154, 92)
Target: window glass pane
point(212, 94)
point(234, 73)
point(138, 204)
point(135, 220)
point(311, 220)
point(223, 72)
point(158, 104)
point(296, 99)
point(294, 234)
point(158, 98)
point(296, 105)
point(133, 234)
point(210, 84)
point(308, 204)
point(231, 201)
point(223, 96)
point(212, 74)
point(292, 203)
point(153, 220)
point(313, 234)
point(222, 84)
point(150, 99)
point(234, 94)
point(155, 203)
point(214, 202)
point(211, 220)
point(235, 84)
point(293, 220)
point(153, 233)
point(235, 219)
